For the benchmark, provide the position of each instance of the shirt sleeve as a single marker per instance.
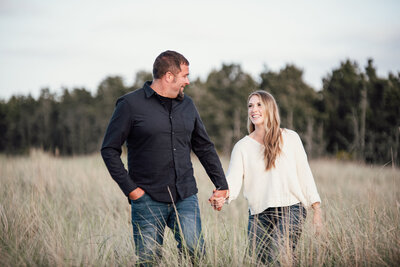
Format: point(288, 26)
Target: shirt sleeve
point(235, 173)
point(117, 132)
point(205, 151)
point(306, 179)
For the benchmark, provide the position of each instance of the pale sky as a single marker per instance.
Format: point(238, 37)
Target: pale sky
point(78, 43)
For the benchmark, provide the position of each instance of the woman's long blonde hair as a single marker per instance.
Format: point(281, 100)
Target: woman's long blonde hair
point(273, 132)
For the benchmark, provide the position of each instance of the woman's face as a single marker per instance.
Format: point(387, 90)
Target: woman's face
point(256, 110)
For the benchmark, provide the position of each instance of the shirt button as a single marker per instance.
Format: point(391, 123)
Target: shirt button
point(174, 149)
point(173, 132)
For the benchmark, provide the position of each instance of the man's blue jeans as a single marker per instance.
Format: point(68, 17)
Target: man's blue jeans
point(274, 230)
point(149, 219)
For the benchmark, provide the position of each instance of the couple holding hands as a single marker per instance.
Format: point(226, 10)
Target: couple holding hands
point(161, 126)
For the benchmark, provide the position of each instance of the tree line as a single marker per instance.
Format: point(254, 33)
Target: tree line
point(356, 114)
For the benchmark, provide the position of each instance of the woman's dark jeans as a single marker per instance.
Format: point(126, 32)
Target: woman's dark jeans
point(275, 230)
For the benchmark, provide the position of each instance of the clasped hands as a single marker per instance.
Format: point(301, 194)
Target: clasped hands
point(218, 199)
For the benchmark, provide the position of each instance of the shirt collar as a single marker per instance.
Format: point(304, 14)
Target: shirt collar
point(149, 91)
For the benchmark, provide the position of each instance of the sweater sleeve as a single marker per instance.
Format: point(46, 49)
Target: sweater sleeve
point(304, 174)
point(235, 173)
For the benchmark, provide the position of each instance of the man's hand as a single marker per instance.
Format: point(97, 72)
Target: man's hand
point(218, 198)
point(136, 194)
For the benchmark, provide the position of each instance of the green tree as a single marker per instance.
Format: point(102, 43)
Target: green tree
point(140, 78)
point(223, 104)
point(383, 121)
point(78, 129)
point(3, 125)
point(342, 94)
point(19, 120)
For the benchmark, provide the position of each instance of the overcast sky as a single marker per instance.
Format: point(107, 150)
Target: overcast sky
point(77, 43)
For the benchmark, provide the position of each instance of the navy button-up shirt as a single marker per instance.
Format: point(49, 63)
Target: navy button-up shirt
point(159, 143)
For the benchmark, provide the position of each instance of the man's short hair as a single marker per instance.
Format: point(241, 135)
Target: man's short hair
point(168, 61)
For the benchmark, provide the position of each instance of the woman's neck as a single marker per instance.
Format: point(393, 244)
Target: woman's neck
point(258, 134)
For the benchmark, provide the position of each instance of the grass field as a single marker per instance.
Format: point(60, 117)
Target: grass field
point(69, 212)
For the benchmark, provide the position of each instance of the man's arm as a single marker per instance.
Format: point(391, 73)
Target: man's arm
point(117, 132)
point(205, 151)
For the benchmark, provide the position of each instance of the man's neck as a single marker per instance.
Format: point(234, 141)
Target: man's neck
point(159, 88)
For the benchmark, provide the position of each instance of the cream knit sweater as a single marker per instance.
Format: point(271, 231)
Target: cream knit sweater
point(290, 182)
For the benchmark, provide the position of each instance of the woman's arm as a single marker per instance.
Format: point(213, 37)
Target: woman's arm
point(304, 173)
point(235, 172)
point(317, 219)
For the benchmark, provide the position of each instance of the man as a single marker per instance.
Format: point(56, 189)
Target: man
point(161, 126)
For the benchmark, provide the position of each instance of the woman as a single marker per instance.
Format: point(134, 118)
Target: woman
point(272, 165)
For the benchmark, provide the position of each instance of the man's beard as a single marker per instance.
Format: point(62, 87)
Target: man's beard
point(181, 95)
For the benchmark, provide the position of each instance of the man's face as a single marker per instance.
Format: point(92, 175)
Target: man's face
point(180, 81)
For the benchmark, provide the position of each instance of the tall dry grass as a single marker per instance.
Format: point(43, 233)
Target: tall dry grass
point(69, 212)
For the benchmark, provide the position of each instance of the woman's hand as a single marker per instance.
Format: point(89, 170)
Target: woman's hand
point(218, 198)
point(217, 203)
point(317, 219)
